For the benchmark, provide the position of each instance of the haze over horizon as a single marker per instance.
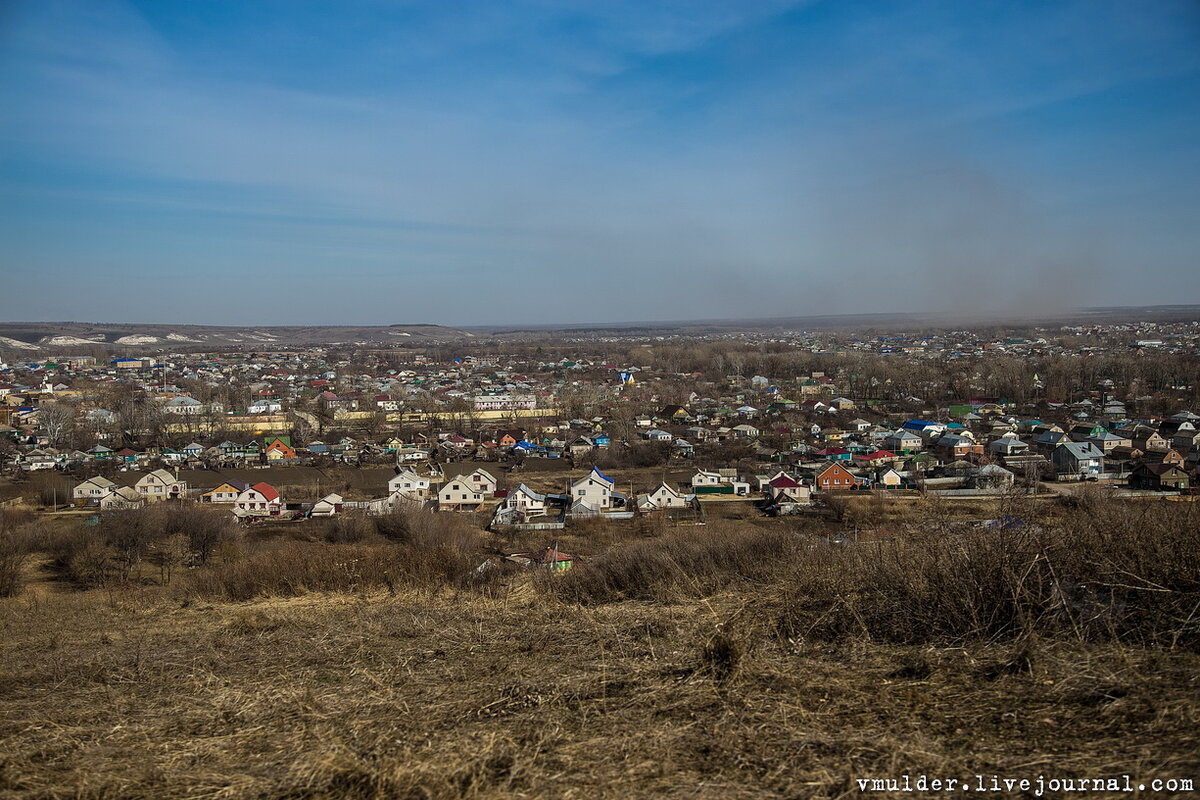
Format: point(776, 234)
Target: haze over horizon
point(543, 163)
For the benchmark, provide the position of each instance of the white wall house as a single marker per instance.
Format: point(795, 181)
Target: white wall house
point(460, 495)
point(526, 500)
point(259, 500)
point(93, 490)
point(663, 497)
point(160, 485)
point(410, 484)
point(594, 490)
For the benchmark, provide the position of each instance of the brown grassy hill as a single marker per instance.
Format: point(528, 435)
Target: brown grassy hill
point(371, 659)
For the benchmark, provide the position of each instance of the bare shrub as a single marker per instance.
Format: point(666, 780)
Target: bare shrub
point(691, 563)
point(1107, 571)
point(424, 551)
point(350, 529)
point(13, 557)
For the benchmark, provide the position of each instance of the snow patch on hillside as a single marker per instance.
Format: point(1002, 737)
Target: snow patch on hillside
point(15, 343)
point(72, 341)
point(179, 337)
point(137, 339)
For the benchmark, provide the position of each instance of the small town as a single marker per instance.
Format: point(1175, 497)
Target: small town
point(578, 400)
point(533, 442)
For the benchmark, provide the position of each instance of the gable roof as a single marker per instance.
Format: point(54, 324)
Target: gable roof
point(525, 490)
point(266, 490)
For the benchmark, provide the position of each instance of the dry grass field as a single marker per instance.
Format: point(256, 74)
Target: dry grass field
point(374, 696)
point(729, 661)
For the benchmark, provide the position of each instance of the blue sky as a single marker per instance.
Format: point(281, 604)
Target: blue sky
point(229, 161)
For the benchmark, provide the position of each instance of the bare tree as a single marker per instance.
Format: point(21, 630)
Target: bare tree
point(55, 421)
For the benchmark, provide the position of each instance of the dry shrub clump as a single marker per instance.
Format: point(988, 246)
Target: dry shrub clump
point(1104, 571)
point(166, 536)
point(688, 564)
point(1116, 571)
point(400, 550)
point(20, 536)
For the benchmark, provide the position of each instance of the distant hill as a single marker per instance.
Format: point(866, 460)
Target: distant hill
point(853, 322)
point(60, 336)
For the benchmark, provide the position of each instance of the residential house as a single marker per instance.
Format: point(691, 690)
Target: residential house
point(746, 431)
point(1186, 440)
point(674, 414)
point(264, 406)
point(279, 450)
point(580, 445)
point(990, 476)
point(902, 441)
point(1049, 440)
point(954, 446)
point(411, 455)
point(1108, 440)
point(1150, 440)
point(410, 484)
point(161, 485)
point(184, 406)
point(1082, 460)
point(123, 497)
point(482, 480)
point(664, 497)
point(835, 477)
point(226, 492)
point(887, 478)
point(1007, 446)
point(259, 500)
point(334, 404)
point(593, 491)
point(327, 506)
point(93, 490)
point(1159, 477)
point(524, 502)
point(459, 495)
point(786, 489)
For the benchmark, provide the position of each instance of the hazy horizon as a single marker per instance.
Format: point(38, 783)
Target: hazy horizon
point(543, 163)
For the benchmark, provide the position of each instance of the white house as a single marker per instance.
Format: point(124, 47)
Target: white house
point(664, 497)
point(460, 495)
point(594, 490)
point(746, 431)
point(160, 485)
point(93, 490)
point(184, 406)
point(327, 506)
point(482, 481)
point(786, 489)
point(259, 500)
point(122, 497)
point(411, 455)
point(264, 407)
point(409, 483)
point(525, 500)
